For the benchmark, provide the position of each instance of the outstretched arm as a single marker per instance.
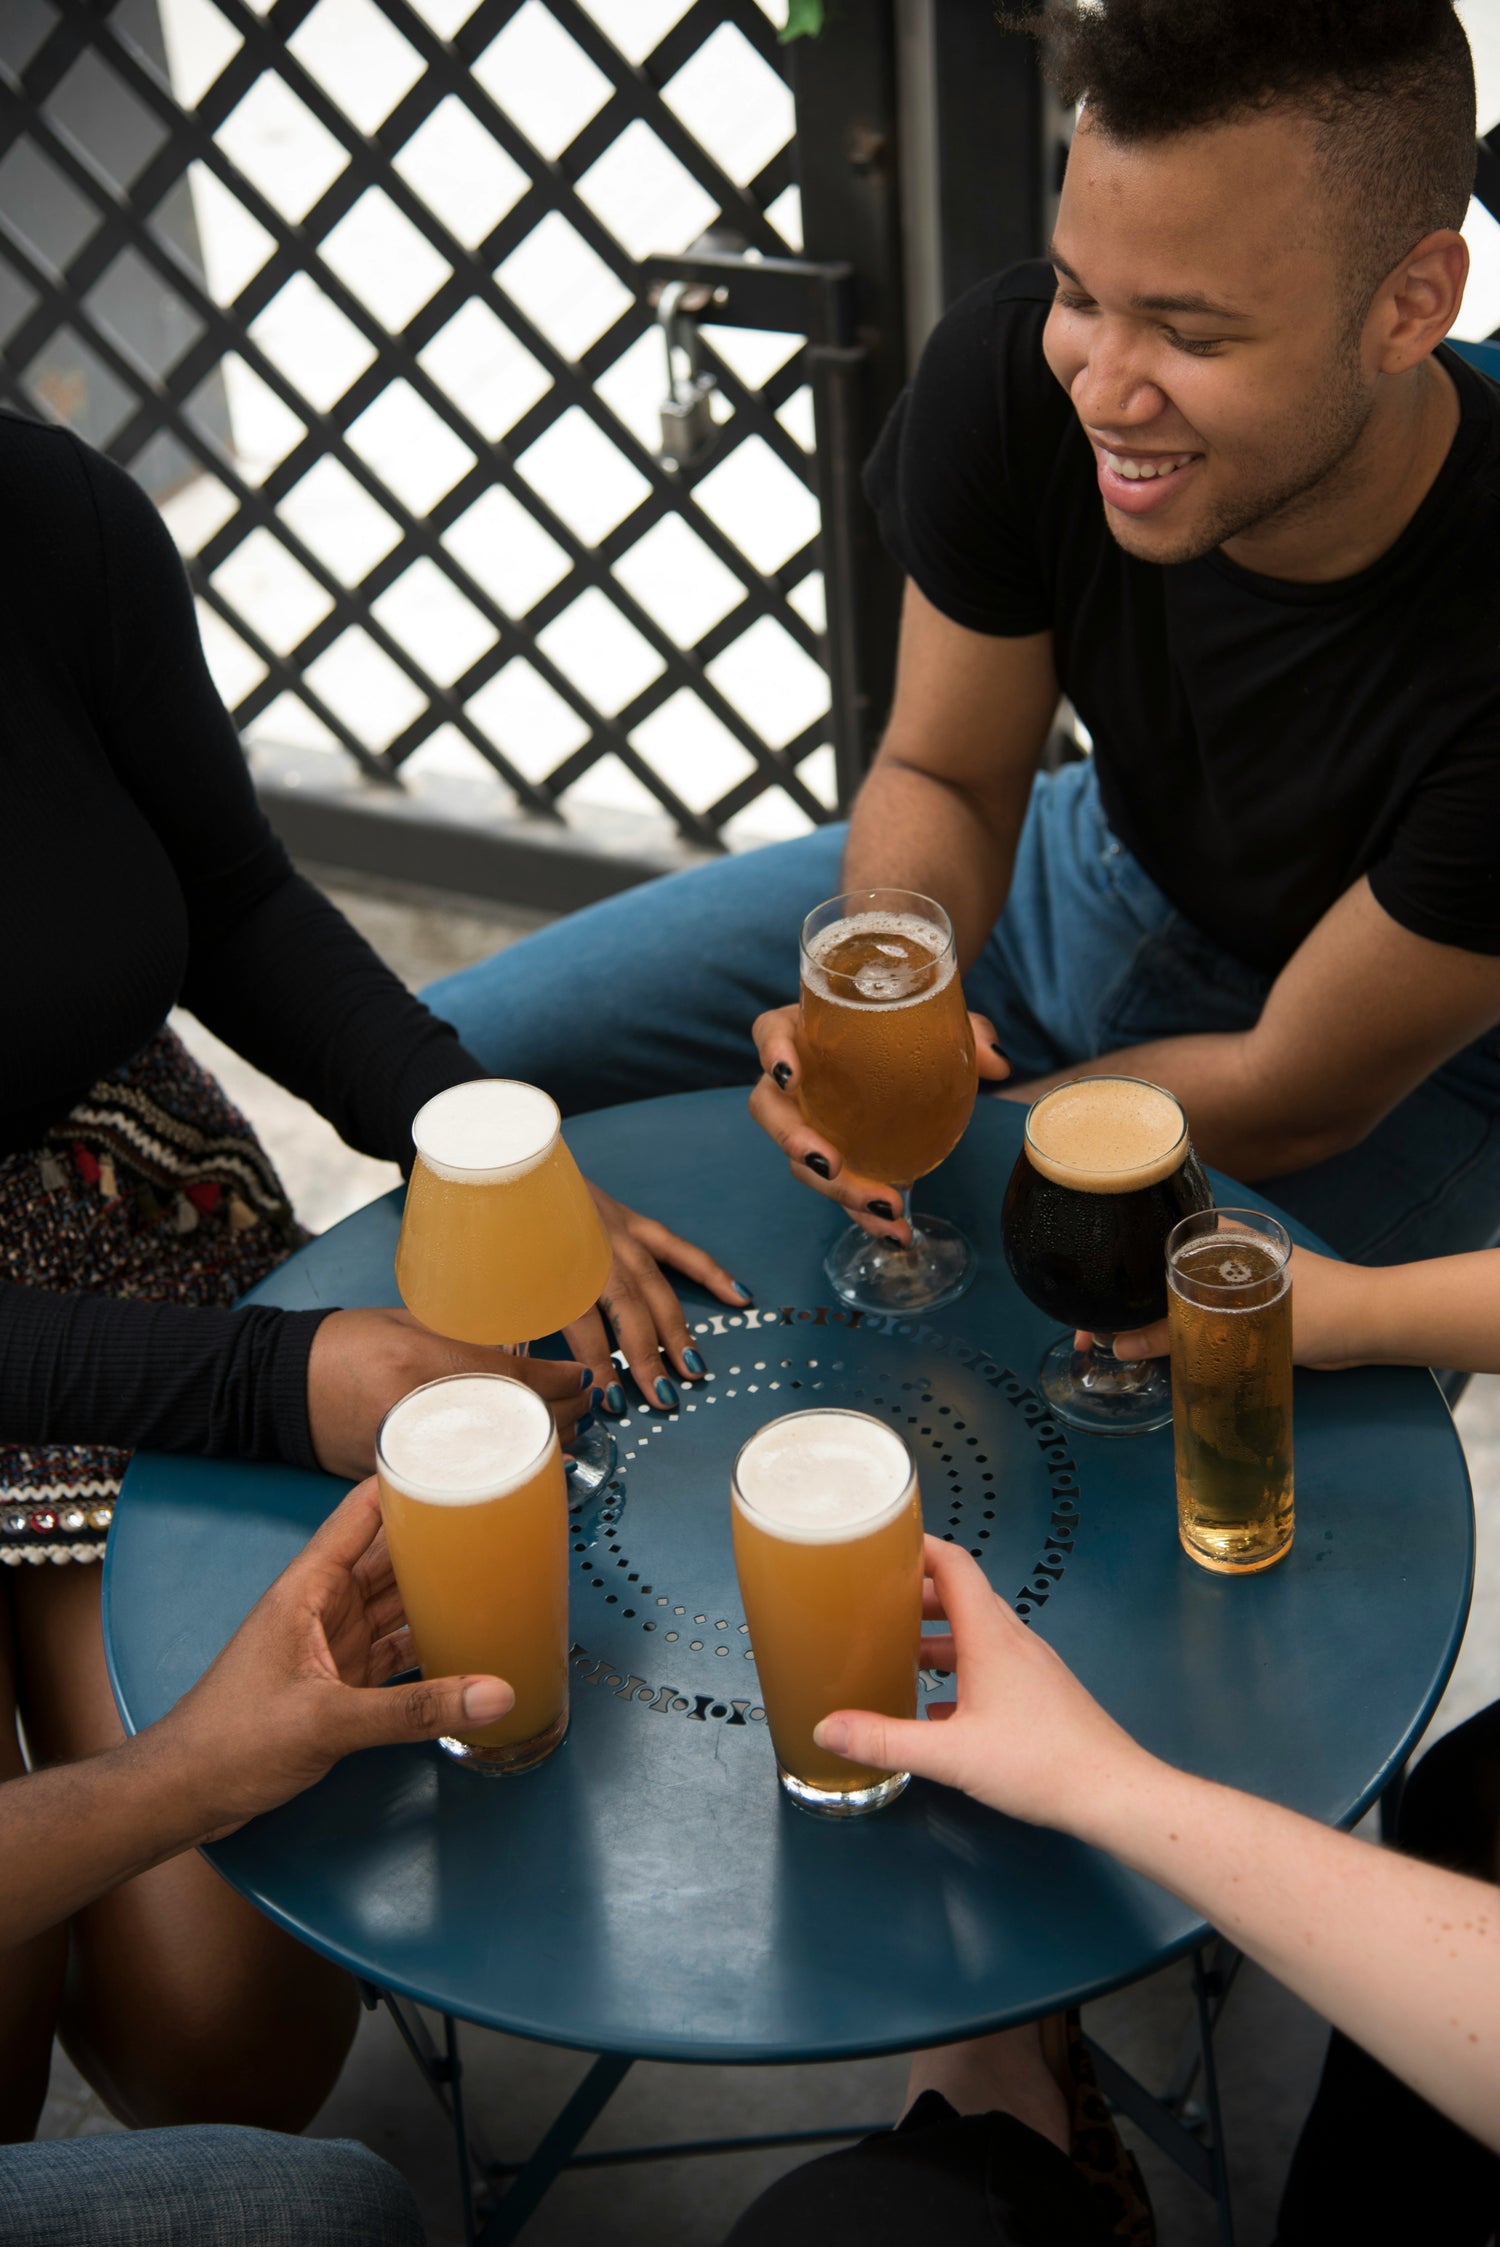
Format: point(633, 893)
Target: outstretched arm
point(1402, 1956)
point(299, 1685)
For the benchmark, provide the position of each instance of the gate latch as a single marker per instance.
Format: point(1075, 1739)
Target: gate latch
point(687, 421)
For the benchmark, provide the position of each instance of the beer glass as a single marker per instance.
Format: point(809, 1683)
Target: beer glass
point(1229, 1309)
point(476, 1517)
point(500, 1240)
point(827, 1524)
point(1105, 1172)
point(888, 1075)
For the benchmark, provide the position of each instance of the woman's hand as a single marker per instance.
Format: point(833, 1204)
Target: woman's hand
point(1326, 1326)
point(298, 1684)
point(873, 1203)
point(1023, 1735)
point(363, 1362)
point(640, 1305)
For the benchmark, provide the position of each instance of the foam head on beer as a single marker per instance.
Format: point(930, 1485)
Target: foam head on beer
point(464, 1441)
point(822, 1478)
point(1106, 1135)
point(481, 1133)
point(878, 959)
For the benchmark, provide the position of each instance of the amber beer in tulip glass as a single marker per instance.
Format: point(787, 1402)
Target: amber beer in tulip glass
point(476, 1517)
point(888, 1075)
point(1229, 1310)
point(828, 1544)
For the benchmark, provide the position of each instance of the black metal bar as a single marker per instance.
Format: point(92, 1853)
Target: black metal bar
point(536, 2178)
point(461, 2149)
point(1146, 2111)
point(1204, 1992)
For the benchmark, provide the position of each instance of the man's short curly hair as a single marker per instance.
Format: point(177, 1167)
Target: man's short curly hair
point(1389, 85)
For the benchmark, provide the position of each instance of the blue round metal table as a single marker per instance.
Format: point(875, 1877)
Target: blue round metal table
point(648, 1892)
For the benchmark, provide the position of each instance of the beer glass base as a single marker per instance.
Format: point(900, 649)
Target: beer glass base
point(1106, 1397)
point(876, 1275)
point(849, 1802)
point(508, 1762)
point(590, 1459)
point(1223, 1564)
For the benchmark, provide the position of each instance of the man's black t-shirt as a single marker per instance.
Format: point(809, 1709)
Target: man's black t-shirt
point(1259, 744)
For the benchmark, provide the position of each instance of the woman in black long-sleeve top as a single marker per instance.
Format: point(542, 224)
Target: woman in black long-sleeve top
point(136, 871)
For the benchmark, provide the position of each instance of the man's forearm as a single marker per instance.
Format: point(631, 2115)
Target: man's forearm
point(69, 1833)
point(1403, 1956)
point(911, 831)
point(1236, 1121)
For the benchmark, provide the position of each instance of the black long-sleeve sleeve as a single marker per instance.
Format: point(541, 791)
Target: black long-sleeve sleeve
point(137, 869)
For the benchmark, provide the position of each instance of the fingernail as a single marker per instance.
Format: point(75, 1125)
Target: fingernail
point(832, 1735)
point(880, 1209)
point(819, 1163)
point(783, 1074)
point(596, 1401)
point(994, 1048)
point(582, 1426)
point(588, 1371)
point(741, 1289)
point(486, 1699)
point(614, 1398)
point(695, 1361)
point(666, 1393)
point(570, 1466)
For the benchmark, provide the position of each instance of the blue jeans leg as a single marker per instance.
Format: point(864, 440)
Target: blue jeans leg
point(215, 2186)
point(650, 992)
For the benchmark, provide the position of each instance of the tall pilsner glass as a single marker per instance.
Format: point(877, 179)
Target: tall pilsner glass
point(501, 1242)
point(888, 1074)
point(828, 1544)
point(1105, 1172)
point(1229, 1308)
point(471, 1492)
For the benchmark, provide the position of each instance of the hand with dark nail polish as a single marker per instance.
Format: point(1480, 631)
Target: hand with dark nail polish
point(818, 1163)
point(614, 1399)
point(588, 1371)
point(695, 1361)
point(740, 1289)
point(880, 1209)
point(783, 1074)
point(666, 1394)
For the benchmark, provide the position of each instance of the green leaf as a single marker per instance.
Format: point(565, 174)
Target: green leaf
point(804, 19)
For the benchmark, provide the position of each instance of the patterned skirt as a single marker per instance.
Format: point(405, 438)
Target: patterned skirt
point(156, 1190)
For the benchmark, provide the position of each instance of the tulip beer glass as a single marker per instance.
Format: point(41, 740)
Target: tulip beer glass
point(1229, 1308)
point(827, 1524)
point(1105, 1172)
point(501, 1241)
point(476, 1517)
point(888, 1075)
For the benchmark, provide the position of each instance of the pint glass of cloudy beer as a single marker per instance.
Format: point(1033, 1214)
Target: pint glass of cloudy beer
point(1229, 1310)
point(1105, 1172)
point(471, 1492)
point(888, 1075)
point(828, 1544)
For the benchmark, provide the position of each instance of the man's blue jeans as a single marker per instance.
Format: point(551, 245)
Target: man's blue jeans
point(214, 2186)
point(655, 991)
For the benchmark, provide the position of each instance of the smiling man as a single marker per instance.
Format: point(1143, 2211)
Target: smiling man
point(1211, 475)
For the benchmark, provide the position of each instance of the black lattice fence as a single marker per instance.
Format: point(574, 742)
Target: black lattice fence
point(447, 541)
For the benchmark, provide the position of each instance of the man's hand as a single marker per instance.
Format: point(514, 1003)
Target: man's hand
point(363, 1362)
point(1023, 1735)
point(1325, 1307)
point(642, 1309)
point(873, 1203)
point(301, 1682)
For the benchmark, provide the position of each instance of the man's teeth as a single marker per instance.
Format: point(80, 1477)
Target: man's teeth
point(1142, 471)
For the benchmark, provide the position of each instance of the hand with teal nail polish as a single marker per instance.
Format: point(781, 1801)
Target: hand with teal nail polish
point(666, 1394)
point(638, 1302)
point(694, 1362)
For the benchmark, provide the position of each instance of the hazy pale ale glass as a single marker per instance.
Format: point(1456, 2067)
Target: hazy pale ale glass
point(888, 1075)
point(1105, 1171)
point(501, 1241)
point(1229, 1309)
point(828, 1544)
point(476, 1517)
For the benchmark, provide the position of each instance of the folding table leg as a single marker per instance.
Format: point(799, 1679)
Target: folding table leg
point(1205, 1991)
point(536, 2176)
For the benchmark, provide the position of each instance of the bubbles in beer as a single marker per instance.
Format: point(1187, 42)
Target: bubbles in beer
point(464, 1440)
point(823, 1477)
point(495, 1128)
point(878, 960)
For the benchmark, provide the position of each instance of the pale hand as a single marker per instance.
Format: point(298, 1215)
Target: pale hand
point(1323, 1294)
point(363, 1362)
point(1023, 1735)
point(302, 1681)
point(873, 1203)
